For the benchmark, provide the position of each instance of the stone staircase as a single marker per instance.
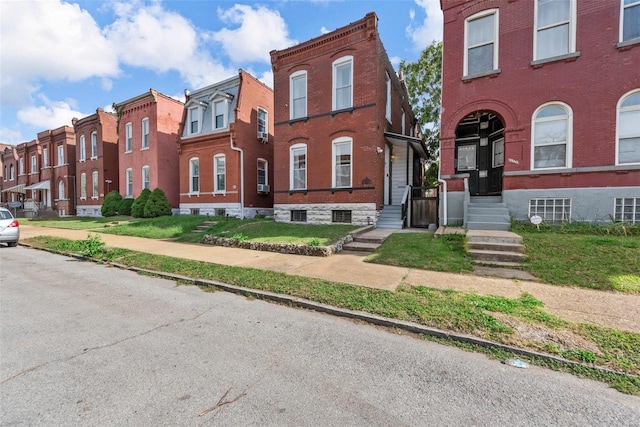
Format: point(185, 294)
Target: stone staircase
point(390, 218)
point(488, 213)
point(203, 227)
point(368, 241)
point(495, 247)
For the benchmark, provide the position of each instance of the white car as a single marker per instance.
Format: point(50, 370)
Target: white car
point(9, 228)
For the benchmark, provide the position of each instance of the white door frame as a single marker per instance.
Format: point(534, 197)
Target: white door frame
point(387, 175)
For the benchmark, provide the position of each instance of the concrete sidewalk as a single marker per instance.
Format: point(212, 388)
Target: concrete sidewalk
point(610, 309)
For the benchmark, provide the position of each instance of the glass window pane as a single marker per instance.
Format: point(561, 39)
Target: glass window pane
point(550, 132)
point(631, 100)
point(480, 60)
point(631, 29)
point(553, 42)
point(343, 75)
point(552, 11)
point(550, 156)
point(629, 124)
point(466, 157)
point(481, 30)
point(629, 150)
point(551, 111)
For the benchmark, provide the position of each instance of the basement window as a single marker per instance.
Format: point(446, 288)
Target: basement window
point(551, 210)
point(627, 209)
point(298, 216)
point(341, 216)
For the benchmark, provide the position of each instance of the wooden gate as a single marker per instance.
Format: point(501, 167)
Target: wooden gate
point(424, 206)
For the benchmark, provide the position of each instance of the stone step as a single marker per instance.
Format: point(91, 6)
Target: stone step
point(475, 210)
point(369, 239)
point(486, 199)
point(496, 236)
point(389, 225)
point(477, 225)
point(491, 246)
point(501, 264)
point(360, 246)
point(496, 256)
point(488, 218)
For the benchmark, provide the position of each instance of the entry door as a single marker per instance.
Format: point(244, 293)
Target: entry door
point(483, 159)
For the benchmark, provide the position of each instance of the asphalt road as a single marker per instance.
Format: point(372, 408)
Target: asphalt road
point(86, 344)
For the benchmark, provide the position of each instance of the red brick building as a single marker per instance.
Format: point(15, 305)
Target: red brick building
point(148, 129)
point(345, 145)
point(11, 190)
point(541, 110)
point(226, 149)
point(97, 161)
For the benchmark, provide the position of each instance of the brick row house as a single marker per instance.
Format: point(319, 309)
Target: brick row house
point(148, 129)
point(226, 151)
point(346, 143)
point(97, 161)
point(541, 110)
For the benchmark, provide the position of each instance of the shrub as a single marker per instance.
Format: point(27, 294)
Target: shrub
point(137, 208)
point(124, 206)
point(110, 204)
point(157, 205)
point(92, 246)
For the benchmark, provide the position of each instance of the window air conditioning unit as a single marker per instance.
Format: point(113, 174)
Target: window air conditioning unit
point(263, 188)
point(263, 136)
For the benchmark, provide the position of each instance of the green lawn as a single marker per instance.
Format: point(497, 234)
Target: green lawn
point(79, 223)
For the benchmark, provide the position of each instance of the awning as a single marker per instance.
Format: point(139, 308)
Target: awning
point(15, 189)
point(42, 185)
point(416, 143)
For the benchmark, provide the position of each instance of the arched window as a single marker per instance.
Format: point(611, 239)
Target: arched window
point(95, 184)
point(194, 175)
point(83, 186)
point(298, 167)
point(298, 95)
point(342, 83)
point(83, 149)
point(628, 129)
point(61, 194)
point(551, 136)
point(94, 145)
point(341, 166)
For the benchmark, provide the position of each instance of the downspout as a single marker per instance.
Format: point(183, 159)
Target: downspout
point(233, 147)
point(444, 198)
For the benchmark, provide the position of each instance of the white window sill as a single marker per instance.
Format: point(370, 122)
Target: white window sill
point(220, 193)
point(128, 151)
point(194, 193)
point(83, 198)
point(94, 158)
point(566, 57)
point(94, 197)
point(491, 73)
point(144, 148)
point(81, 161)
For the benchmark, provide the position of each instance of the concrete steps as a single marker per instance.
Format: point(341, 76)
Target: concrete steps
point(203, 227)
point(495, 247)
point(488, 213)
point(390, 218)
point(368, 241)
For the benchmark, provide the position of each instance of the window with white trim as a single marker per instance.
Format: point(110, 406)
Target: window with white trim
point(263, 122)
point(219, 173)
point(94, 145)
point(83, 149)
point(387, 108)
point(263, 169)
point(145, 133)
point(403, 124)
point(21, 163)
point(128, 138)
point(34, 164)
point(220, 114)
point(298, 167)
point(95, 185)
point(627, 209)
point(341, 162)
point(45, 157)
point(4, 175)
point(630, 20)
point(129, 183)
point(61, 192)
point(551, 137)
point(194, 175)
point(481, 43)
point(83, 186)
point(342, 83)
point(551, 210)
point(628, 129)
point(60, 155)
point(498, 153)
point(194, 120)
point(146, 177)
point(554, 33)
point(12, 172)
point(298, 95)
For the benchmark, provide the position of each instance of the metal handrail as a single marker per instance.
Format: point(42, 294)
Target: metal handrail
point(405, 205)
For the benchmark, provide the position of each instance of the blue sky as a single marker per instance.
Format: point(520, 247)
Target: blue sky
point(60, 60)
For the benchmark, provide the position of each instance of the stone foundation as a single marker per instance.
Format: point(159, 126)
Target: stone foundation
point(283, 248)
point(361, 213)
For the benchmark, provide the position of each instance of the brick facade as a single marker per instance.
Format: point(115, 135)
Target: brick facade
point(587, 81)
point(164, 115)
point(237, 140)
point(103, 162)
point(363, 122)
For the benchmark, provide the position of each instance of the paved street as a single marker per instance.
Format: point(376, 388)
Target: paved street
point(85, 344)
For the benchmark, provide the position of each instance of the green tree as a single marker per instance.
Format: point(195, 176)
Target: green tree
point(124, 206)
point(110, 204)
point(157, 205)
point(137, 208)
point(424, 84)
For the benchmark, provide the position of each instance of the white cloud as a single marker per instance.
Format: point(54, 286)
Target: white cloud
point(260, 31)
point(423, 33)
point(10, 136)
point(49, 40)
point(148, 36)
point(324, 30)
point(51, 114)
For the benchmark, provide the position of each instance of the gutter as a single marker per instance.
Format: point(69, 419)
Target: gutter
point(233, 147)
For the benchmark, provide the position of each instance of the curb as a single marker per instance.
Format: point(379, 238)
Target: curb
point(343, 312)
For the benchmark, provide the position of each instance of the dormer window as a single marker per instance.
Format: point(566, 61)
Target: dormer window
point(194, 120)
point(220, 116)
point(220, 102)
